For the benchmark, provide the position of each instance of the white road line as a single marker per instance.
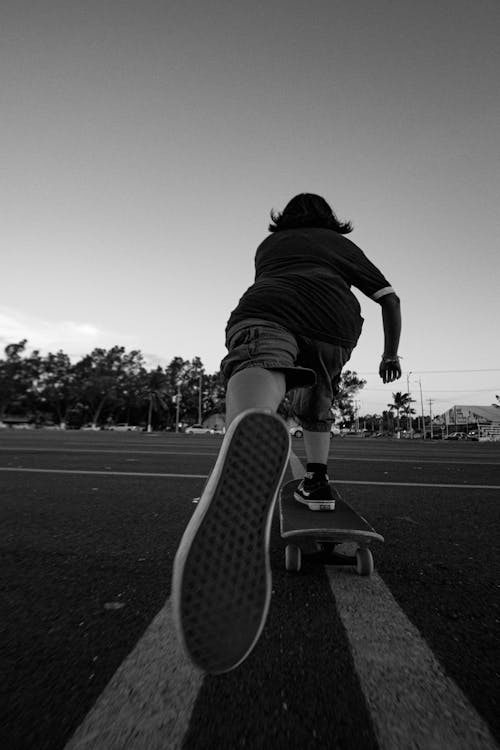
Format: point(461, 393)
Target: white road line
point(412, 702)
point(422, 484)
point(415, 461)
point(213, 454)
point(63, 451)
point(296, 466)
point(104, 473)
point(162, 475)
point(148, 702)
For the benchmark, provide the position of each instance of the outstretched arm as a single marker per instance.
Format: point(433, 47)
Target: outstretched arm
point(390, 369)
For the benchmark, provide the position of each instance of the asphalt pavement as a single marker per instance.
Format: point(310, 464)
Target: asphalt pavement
point(89, 526)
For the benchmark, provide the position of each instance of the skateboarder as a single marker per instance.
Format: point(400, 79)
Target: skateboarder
point(293, 330)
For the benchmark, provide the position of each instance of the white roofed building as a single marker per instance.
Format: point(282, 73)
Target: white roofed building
point(464, 418)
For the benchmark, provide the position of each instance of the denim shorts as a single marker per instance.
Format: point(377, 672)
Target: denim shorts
point(312, 368)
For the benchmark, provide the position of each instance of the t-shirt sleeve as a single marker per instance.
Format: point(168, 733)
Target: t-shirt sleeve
point(365, 276)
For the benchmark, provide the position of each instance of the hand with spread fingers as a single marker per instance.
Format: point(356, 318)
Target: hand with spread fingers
point(390, 369)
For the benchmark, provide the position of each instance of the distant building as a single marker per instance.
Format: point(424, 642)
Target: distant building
point(465, 418)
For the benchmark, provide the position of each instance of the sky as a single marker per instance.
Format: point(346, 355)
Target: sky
point(144, 144)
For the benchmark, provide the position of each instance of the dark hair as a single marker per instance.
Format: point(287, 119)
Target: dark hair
point(307, 210)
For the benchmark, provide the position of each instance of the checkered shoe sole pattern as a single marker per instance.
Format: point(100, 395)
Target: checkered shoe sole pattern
point(221, 586)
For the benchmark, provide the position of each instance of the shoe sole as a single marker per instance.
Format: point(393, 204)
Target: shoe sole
point(221, 585)
point(323, 505)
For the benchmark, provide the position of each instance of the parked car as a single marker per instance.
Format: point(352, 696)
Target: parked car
point(124, 427)
point(90, 426)
point(457, 436)
point(298, 432)
point(199, 429)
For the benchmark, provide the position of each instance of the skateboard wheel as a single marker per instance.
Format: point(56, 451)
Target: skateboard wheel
point(293, 558)
point(364, 561)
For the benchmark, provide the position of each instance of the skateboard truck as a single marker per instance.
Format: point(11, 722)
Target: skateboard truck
point(324, 532)
point(327, 553)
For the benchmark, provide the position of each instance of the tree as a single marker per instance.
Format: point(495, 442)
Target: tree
point(18, 378)
point(401, 402)
point(372, 422)
point(107, 384)
point(155, 392)
point(387, 421)
point(103, 376)
point(10, 372)
point(193, 385)
point(349, 386)
point(184, 379)
point(175, 387)
point(344, 405)
point(408, 411)
point(56, 385)
point(214, 394)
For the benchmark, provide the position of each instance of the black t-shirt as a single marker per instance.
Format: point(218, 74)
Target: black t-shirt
point(303, 280)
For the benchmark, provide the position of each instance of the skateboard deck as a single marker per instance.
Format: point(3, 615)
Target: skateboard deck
point(304, 529)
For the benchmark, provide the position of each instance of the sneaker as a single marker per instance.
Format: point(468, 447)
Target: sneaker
point(316, 492)
point(221, 585)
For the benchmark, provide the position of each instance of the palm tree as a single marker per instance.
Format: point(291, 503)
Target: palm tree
point(408, 411)
point(154, 391)
point(401, 402)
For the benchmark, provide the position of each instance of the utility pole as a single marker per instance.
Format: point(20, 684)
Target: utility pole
point(177, 405)
point(356, 415)
point(430, 412)
point(199, 397)
point(409, 405)
point(422, 407)
point(150, 411)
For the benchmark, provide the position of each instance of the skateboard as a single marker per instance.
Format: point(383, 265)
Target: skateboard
point(320, 532)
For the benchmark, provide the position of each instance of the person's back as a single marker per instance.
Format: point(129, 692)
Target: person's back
point(303, 280)
point(293, 330)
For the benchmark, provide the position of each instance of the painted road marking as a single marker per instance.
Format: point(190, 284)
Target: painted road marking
point(422, 484)
point(161, 475)
point(148, 702)
point(105, 473)
point(117, 451)
point(215, 452)
point(414, 461)
point(412, 702)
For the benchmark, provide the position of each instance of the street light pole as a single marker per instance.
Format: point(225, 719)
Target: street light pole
point(422, 406)
point(178, 405)
point(409, 406)
point(199, 397)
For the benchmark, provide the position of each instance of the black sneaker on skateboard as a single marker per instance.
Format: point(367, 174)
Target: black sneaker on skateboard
point(316, 492)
